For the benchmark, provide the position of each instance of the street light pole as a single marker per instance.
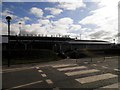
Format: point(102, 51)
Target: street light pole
point(20, 28)
point(8, 18)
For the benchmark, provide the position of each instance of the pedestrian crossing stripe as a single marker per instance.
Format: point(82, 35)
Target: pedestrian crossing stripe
point(43, 75)
point(115, 85)
point(40, 71)
point(81, 72)
point(49, 81)
point(37, 67)
point(63, 65)
point(72, 68)
point(90, 79)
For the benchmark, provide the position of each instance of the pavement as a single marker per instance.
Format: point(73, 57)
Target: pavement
point(87, 73)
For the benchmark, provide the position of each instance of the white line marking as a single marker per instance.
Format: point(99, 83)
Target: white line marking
point(111, 86)
point(72, 68)
point(94, 65)
point(86, 62)
point(116, 69)
point(37, 67)
point(95, 78)
point(40, 71)
point(81, 72)
point(25, 85)
point(63, 65)
point(16, 69)
point(104, 67)
point(49, 81)
point(44, 75)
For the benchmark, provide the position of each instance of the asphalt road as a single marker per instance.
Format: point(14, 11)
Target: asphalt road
point(65, 74)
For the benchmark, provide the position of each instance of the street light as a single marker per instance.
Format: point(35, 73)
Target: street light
point(20, 28)
point(8, 18)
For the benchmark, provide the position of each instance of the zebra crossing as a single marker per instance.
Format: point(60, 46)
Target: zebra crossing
point(73, 70)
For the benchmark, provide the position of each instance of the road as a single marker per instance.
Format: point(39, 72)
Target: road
point(64, 74)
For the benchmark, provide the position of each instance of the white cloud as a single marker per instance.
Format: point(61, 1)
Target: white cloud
point(64, 21)
point(72, 5)
point(49, 16)
point(105, 17)
point(44, 22)
point(37, 12)
point(13, 30)
point(9, 13)
point(54, 11)
point(23, 20)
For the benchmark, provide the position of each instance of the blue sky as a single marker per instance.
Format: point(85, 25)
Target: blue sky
point(65, 18)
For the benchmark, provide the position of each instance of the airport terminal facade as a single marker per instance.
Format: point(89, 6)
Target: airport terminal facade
point(57, 44)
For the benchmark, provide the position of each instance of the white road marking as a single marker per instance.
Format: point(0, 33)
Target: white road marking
point(25, 85)
point(49, 81)
point(81, 72)
point(72, 68)
point(94, 65)
point(86, 62)
point(116, 69)
point(95, 78)
point(112, 86)
point(37, 67)
point(40, 71)
point(63, 65)
point(44, 75)
point(104, 67)
point(16, 69)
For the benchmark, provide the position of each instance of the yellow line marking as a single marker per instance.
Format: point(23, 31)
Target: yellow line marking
point(95, 78)
point(81, 72)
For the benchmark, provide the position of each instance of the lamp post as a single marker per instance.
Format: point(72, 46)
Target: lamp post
point(8, 18)
point(20, 28)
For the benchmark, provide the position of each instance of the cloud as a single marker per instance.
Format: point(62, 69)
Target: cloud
point(13, 30)
point(9, 13)
point(54, 11)
point(44, 22)
point(71, 5)
point(105, 18)
point(64, 21)
point(24, 19)
point(37, 12)
point(49, 16)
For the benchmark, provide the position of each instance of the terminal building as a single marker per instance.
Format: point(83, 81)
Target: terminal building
point(56, 43)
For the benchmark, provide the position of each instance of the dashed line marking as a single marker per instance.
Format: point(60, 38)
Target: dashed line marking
point(44, 75)
point(40, 71)
point(81, 72)
point(49, 81)
point(72, 68)
point(95, 78)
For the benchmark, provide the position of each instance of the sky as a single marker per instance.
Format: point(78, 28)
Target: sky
point(90, 19)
